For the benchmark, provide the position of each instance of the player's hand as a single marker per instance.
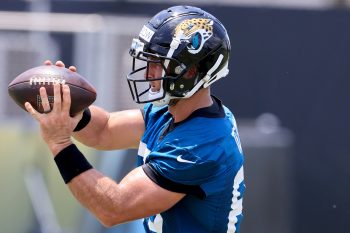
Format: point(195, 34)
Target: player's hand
point(56, 125)
point(60, 64)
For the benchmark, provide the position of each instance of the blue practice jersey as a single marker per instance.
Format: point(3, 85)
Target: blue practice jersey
point(200, 156)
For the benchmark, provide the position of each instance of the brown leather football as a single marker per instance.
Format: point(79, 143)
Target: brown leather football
point(25, 87)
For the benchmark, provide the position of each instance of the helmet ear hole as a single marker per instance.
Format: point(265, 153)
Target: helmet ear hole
point(180, 87)
point(191, 73)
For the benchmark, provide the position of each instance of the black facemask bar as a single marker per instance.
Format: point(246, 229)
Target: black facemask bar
point(138, 81)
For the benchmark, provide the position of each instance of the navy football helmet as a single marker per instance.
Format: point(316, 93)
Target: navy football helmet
point(178, 38)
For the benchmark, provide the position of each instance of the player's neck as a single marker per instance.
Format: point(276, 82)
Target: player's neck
point(184, 107)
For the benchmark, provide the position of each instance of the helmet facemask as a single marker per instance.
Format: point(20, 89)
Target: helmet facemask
point(141, 82)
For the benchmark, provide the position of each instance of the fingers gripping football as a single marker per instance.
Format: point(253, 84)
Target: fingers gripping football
point(57, 125)
point(66, 99)
point(60, 64)
point(57, 102)
point(44, 100)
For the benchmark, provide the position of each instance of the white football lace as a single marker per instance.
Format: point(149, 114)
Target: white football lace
point(50, 80)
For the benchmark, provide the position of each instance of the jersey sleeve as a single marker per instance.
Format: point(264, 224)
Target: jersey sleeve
point(180, 170)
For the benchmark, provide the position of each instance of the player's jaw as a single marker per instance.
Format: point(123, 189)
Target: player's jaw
point(154, 73)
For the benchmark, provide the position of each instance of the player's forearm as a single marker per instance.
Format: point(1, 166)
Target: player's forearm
point(99, 194)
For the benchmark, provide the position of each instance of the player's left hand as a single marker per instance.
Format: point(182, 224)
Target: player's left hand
point(60, 63)
point(56, 125)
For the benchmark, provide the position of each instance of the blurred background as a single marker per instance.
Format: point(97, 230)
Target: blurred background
point(288, 87)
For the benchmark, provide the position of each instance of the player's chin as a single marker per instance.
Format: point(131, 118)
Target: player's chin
point(154, 90)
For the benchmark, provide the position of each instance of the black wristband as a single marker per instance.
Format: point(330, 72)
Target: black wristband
point(84, 120)
point(71, 162)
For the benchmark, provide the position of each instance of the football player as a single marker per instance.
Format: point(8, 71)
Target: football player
point(190, 161)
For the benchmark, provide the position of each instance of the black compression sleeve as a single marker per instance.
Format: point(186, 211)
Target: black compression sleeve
point(71, 162)
point(84, 120)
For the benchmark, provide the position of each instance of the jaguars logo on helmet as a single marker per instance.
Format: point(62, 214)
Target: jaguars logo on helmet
point(197, 31)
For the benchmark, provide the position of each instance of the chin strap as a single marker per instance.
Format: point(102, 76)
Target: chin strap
point(208, 78)
point(162, 102)
point(172, 102)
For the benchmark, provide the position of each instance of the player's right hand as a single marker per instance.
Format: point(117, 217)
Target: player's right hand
point(56, 125)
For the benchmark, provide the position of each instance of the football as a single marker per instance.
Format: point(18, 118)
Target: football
point(25, 87)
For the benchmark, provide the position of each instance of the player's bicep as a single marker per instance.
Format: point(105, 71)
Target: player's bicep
point(127, 128)
point(124, 130)
point(142, 197)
